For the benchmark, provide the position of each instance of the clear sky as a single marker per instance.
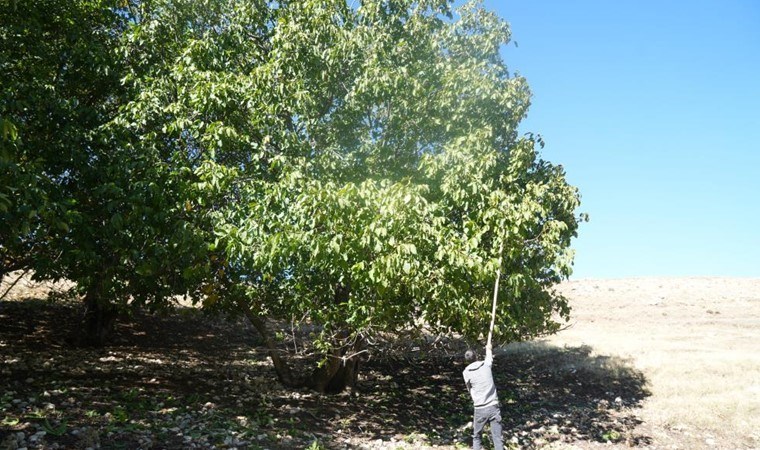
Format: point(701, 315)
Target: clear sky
point(653, 108)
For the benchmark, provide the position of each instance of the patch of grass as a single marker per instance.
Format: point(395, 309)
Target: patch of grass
point(262, 418)
point(59, 430)
point(192, 399)
point(120, 415)
point(611, 436)
point(316, 445)
point(695, 340)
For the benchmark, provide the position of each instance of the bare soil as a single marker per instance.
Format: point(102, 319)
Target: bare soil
point(188, 380)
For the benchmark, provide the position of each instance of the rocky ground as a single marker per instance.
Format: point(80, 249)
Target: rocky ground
point(186, 380)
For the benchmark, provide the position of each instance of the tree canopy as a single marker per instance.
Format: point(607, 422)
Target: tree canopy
point(353, 165)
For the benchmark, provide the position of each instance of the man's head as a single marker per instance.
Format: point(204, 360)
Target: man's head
point(470, 356)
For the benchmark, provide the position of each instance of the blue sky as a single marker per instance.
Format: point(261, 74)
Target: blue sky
point(653, 108)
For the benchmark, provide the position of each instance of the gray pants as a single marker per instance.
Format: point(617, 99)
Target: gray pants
point(484, 415)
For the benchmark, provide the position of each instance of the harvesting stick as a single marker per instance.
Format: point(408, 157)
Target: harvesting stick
point(495, 295)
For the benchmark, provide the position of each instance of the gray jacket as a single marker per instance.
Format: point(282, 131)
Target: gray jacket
point(479, 381)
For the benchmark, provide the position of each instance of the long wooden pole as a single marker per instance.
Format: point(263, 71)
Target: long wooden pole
point(495, 295)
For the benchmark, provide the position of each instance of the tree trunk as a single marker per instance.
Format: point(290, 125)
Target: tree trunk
point(342, 366)
point(281, 367)
point(99, 318)
point(339, 372)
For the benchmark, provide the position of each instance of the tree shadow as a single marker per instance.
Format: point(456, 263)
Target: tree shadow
point(548, 394)
point(159, 371)
point(570, 394)
point(211, 377)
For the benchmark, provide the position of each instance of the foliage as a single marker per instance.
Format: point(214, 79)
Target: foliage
point(356, 166)
point(82, 201)
point(55, 88)
point(396, 176)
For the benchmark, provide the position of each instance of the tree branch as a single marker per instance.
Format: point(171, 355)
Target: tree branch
point(14, 284)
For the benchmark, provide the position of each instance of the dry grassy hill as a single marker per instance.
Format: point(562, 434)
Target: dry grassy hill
point(697, 342)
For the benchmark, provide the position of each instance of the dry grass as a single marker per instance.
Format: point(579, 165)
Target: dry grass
point(20, 285)
point(697, 341)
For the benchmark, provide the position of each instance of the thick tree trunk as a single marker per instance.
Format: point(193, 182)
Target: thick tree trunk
point(339, 371)
point(99, 319)
point(342, 366)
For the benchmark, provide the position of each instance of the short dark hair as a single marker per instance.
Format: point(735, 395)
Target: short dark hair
point(470, 355)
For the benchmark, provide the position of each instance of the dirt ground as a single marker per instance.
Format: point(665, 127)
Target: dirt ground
point(647, 363)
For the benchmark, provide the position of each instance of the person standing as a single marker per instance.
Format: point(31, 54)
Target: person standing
point(479, 381)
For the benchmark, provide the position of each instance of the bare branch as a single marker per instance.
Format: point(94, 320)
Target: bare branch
point(14, 284)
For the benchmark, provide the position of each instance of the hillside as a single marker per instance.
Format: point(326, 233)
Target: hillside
point(697, 342)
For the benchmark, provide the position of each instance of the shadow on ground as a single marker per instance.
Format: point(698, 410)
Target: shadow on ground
point(548, 394)
point(185, 380)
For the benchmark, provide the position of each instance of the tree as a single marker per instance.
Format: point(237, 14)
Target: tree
point(353, 166)
point(411, 178)
point(52, 95)
point(82, 199)
point(59, 85)
point(357, 168)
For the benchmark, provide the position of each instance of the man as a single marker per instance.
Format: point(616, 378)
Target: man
point(479, 381)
